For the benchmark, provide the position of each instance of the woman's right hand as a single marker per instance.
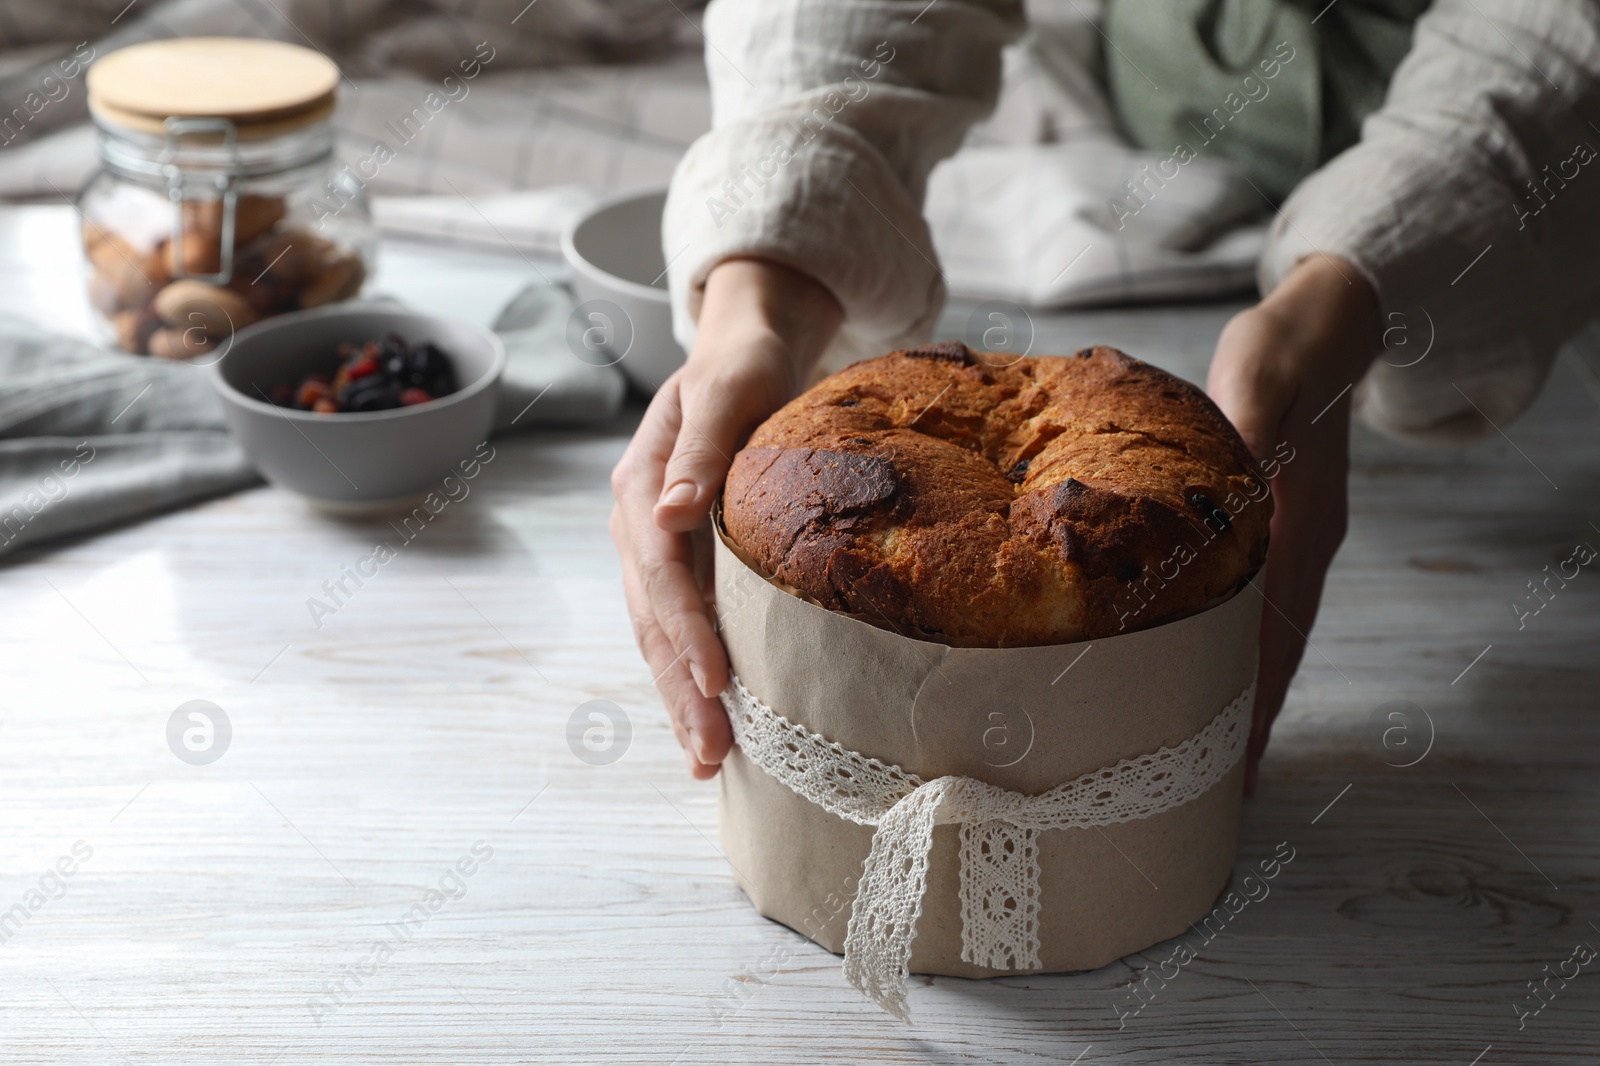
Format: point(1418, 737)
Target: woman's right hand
point(762, 327)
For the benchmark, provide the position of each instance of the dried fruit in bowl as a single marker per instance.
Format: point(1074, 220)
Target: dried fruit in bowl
point(379, 375)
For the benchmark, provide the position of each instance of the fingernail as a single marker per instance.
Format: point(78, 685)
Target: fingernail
point(699, 676)
point(688, 760)
point(679, 494)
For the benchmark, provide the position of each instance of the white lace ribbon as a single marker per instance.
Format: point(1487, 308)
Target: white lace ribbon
point(999, 831)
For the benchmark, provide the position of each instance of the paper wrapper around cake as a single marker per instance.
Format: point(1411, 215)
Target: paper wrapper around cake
point(1023, 719)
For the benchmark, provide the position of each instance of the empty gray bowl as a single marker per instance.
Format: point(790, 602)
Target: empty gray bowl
point(366, 461)
point(624, 313)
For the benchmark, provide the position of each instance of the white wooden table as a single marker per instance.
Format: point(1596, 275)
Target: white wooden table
point(221, 906)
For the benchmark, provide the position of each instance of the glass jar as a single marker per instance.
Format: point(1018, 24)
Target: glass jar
point(197, 225)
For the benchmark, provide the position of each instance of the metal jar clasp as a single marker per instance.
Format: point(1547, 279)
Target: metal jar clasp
point(225, 183)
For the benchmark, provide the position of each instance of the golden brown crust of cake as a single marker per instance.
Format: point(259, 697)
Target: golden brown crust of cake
point(986, 500)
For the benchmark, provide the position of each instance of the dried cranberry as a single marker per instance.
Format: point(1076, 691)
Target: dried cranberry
point(413, 396)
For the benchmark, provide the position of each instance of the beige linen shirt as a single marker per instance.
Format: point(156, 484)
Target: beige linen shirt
point(1471, 203)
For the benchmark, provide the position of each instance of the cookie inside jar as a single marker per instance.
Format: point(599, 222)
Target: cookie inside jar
point(218, 202)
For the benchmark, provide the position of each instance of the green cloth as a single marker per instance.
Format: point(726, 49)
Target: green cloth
point(1276, 87)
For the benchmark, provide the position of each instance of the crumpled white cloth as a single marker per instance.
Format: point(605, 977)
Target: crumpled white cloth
point(999, 872)
point(1022, 212)
point(1031, 224)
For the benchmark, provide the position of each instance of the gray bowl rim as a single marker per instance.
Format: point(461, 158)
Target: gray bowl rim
point(497, 366)
point(569, 247)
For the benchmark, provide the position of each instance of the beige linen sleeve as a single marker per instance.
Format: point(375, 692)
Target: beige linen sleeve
point(827, 116)
point(1472, 204)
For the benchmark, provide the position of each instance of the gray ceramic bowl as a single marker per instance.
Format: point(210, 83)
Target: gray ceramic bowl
point(366, 461)
point(614, 250)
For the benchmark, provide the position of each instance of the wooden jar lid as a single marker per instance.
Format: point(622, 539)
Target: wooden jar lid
point(264, 87)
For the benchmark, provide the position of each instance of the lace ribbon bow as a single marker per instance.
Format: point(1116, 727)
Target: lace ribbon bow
point(999, 831)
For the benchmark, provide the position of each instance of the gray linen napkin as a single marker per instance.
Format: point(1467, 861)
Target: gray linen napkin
point(546, 384)
point(91, 438)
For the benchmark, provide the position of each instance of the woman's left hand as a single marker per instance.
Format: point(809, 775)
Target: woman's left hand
point(1283, 372)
